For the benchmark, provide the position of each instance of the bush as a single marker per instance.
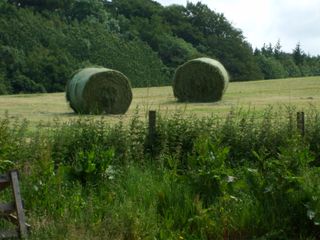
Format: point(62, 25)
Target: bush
point(23, 84)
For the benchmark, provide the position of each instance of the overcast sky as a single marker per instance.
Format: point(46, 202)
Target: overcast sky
point(266, 21)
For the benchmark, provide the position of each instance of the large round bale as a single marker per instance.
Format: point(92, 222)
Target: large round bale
point(99, 90)
point(200, 80)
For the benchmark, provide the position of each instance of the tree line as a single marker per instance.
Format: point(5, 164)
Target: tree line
point(42, 42)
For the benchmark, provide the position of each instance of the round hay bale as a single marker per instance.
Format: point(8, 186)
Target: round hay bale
point(200, 80)
point(99, 90)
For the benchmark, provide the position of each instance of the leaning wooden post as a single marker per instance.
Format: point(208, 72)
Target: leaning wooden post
point(152, 130)
point(7, 209)
point(18, 204)
point(301, 122)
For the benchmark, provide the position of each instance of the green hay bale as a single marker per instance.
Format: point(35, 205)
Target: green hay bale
point(99, 90)
point(200, 80)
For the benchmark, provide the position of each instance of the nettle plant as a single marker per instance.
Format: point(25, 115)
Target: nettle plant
point(207, 169)
point(92, 164)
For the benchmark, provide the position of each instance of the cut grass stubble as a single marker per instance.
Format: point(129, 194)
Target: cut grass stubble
point(257, 95)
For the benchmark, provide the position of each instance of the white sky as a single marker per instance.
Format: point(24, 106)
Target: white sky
point(266, 21)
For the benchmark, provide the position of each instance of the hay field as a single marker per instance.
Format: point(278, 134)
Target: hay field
point(257, 95)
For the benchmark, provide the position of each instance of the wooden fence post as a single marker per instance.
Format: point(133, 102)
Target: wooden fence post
point(301, 122)
point(152, 129)
point(18, 204)
point(7, 209)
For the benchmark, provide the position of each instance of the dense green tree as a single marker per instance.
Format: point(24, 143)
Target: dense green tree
point(267, 50)
point(175, 51)
point(3, 84)
point(314, 63)
point(295, 64)
point(176, 16)
point(277, 50)
point(23, 84)
point(298, 55)
point(214, 36)
point(136, 8)
point(83, 9)
point(289, 65)
point(271, 67)
point(209, 22)
point(43, 4)
point(51, 69)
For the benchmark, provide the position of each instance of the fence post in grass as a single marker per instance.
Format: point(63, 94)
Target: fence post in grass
point(301, 122)
point(152, 129)
point(7, 210)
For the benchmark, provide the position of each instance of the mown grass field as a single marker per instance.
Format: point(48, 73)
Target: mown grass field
point(256, 95)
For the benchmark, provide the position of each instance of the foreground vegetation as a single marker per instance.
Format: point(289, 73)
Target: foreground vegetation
point(240, 177)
